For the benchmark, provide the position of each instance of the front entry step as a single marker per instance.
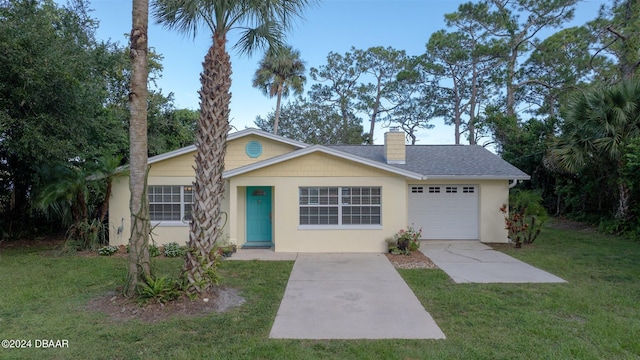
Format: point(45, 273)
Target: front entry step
point(257, 245)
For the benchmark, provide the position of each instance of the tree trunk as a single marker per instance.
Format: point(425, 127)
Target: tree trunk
point(511, 87)
point(276, 118)
point(105, 204)
point(211, 138)
point(139, 265)
point(472, 105)
point(374, 114)
point(623, 201)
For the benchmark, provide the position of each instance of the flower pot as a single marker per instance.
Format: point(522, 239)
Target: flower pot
point(403, 244)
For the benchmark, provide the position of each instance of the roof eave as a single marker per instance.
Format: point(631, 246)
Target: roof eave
point(476, 177)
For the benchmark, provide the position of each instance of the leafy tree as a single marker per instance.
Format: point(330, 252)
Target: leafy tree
point(280, 71)
point(412, 94)
point(51, 97)
point(484, 61)
point(337, 86)
point(139, 263)
point(556, 66)
point(618, 31)
point(382, 65)
point(518, 23)
point(169, 128)
point(314, 123)
point(447, 58)
point(261, 24)
point(599, 126)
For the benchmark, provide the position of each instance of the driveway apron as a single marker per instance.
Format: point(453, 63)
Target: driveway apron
point(350, 296)
point(474, 262)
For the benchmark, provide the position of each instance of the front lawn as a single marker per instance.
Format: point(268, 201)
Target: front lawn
point(596, 315)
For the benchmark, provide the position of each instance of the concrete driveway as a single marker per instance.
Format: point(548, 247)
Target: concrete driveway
point(350, 296)
point(475, 262)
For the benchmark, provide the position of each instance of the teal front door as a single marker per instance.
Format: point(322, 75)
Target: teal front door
point(258, 215)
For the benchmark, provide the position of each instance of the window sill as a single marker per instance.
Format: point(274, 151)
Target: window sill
point(339, 227)
point(169, 224)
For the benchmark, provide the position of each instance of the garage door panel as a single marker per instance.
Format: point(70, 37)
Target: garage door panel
point(444, 211)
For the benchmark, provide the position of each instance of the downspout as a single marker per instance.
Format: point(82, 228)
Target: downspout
point(512, 184)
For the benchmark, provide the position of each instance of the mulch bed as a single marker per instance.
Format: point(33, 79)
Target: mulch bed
point(119, 308)
point(415, 260)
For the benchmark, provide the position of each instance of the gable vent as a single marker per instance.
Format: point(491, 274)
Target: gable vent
point(253, 149)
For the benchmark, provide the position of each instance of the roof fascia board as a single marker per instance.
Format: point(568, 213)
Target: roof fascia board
point(268, 135)
point(475, 177)
point(232, 136)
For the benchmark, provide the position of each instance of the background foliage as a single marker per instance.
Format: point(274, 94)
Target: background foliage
point(502, 74)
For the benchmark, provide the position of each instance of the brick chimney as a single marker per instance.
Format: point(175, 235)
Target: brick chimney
point(394, 146)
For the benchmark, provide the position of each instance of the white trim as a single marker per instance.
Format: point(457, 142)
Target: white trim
point(474, 177)
point(168, 223)
point(339, 227)
point(264, 134)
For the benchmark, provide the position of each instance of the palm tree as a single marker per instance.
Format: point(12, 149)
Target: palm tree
point(599, 125)
point(262, 23)
point(139, 264)
point(280, 71)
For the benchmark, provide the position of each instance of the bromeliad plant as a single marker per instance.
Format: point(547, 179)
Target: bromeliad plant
point(404, 241)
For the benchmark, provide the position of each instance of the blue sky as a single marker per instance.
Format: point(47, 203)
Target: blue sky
point(332, 25)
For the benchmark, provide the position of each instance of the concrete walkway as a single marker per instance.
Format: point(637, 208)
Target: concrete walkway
point(350, 296)
point(475, 262)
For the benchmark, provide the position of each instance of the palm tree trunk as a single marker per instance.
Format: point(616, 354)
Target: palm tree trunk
point(277, 116)
point(139, 264)
point(211, 138)
point(624, 193)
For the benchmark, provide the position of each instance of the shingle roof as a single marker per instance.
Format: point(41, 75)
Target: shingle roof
point(443, 160)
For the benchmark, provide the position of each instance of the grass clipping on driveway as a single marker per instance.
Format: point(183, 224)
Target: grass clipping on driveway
point(593, 316)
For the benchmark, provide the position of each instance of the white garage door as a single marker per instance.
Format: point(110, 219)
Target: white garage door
point(444, 212)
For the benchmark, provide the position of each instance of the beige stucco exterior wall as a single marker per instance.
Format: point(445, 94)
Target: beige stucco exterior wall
point(320, 170)
point(179, 171)
point(493, 194)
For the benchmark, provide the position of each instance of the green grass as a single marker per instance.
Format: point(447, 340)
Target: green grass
point(596, 315)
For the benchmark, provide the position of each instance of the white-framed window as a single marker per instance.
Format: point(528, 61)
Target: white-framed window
point(170, 202)
point(417, 189)
point(434, 189)
point(451, 189)
point(346, 205)
point(468, 189)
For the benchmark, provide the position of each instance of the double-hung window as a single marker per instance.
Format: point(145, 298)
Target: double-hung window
point(340, 206)
point(170, 202)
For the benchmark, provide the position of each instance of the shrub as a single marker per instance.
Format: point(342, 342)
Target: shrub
point(160, 290)
point(107, 250)
point(404, 241)
point(154, 251)
point(174, 250)
point(524, 218)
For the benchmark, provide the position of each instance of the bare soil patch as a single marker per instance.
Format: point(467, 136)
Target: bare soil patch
point(415, 260)
point(120, 308)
